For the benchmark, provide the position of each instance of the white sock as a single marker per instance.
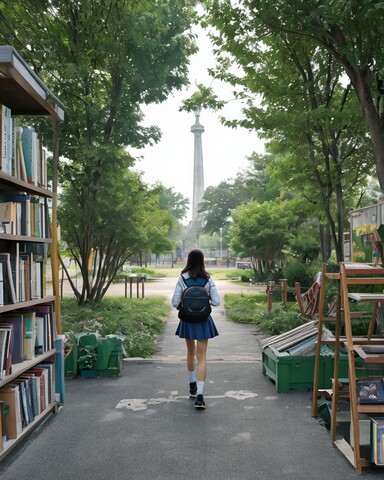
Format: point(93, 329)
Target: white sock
point(192, 376)
point(200, 387)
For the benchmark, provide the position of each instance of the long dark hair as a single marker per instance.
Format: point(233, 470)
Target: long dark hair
point(195, 264)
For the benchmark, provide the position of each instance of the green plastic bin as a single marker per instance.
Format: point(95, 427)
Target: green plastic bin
point(110, 356)
point(291, 372)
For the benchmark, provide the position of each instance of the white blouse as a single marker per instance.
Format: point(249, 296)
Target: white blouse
point(209, 286)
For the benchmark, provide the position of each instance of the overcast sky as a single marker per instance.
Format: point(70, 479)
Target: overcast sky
point(224, 149)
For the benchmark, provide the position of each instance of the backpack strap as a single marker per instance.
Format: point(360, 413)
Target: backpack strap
point(185, 281)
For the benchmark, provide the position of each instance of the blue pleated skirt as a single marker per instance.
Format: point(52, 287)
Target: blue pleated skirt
point(197, 331)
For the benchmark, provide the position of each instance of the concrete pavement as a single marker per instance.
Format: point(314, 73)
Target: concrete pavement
point(142, 425)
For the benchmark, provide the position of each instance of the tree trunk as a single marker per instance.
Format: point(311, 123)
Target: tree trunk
point(339, 239)
point(361, 83)
point(325, 242)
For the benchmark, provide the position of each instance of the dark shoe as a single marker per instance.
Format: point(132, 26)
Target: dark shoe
point(200, 402)
point(192, 390)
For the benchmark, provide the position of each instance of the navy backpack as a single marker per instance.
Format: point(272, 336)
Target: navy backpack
point(195, 305)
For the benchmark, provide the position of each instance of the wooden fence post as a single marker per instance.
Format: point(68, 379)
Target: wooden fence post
point(284, 291)
point(269, 295)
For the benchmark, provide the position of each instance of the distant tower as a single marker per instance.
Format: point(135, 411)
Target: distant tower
point(198, 169)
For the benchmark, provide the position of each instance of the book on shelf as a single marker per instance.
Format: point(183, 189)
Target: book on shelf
point(24, 409)
point(370, 391)
point(377, 440)
point(35, 158)
point(10, 395)
point(8, 285)
point(8, 217)
point(50, 378)
point(15, 319)
point(28, 140)
point(6, 139)
point(29, 327)
point(19, 164)
point(47, 313)
point(33, 392)
point(1, 285)
point(5, 342)
point(6, 336)
point(4, 409)
point(42, 378)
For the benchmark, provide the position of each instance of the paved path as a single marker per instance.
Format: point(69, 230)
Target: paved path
point(142, 425)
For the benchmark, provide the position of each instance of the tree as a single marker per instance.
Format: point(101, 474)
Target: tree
point(351, 32)
point(260, 232)
point(249, 184)
point(101, 235)
point(315, 124)
point(173, 202)
point(103, 59)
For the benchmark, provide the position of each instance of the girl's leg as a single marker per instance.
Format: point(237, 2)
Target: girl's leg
point(191, 354)
point(201, 355)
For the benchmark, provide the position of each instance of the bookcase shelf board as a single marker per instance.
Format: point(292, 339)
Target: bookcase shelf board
point(22, 90)
point(23, 238)
point(26, 365)
point(10, 183)
point(26, 305)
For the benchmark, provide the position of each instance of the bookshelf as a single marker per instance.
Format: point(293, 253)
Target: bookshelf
point(363, 388)
point(29, 308)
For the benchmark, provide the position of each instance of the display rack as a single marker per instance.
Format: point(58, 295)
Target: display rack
point(365, 361)
point(24, 94)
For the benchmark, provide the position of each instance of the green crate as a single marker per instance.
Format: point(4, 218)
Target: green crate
point(109, 356)
point(291, 372)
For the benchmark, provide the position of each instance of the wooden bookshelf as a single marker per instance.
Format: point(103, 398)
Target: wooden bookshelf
point(23, 93)
point(368, 351)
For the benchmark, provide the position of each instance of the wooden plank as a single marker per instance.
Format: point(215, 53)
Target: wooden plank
point(364, 281)
point(367, 297)
point(345, 449)
point(371, 408)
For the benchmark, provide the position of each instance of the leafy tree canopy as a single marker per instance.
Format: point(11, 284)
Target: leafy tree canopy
point(104, 59)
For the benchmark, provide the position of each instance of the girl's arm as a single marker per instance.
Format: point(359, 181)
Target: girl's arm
point(177, 293)
point(215, 297)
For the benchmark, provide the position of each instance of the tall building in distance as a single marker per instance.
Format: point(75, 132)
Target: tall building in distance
point(198, 168)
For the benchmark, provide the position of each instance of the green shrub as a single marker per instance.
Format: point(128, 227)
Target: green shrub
point(252, 308)
point(295, 271)
point(279, 320)
point(239, 273)
point(137, 320)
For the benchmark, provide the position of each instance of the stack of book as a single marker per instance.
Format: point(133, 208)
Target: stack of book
point(299, 341)
point(377, 440)
point(22, 154)
point(23, 214)
point(22, 273)
point(25, 398)
point(24, 335)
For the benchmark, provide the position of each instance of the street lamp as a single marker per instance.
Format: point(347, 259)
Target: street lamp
point(221, 243)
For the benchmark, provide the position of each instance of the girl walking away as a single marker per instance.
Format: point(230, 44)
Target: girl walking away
point(194, 329)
